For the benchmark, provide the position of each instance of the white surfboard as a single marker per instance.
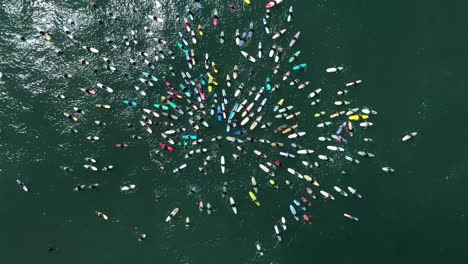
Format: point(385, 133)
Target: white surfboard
point(278, 34)
point(233, 205)
point(254, 184)
point(334, 69)
point(22, 185)
point(223, 167)
point(172, 214)
point(264, 168)
point(169, 132)
point(305, 151)
point(409, 136)
point(283, 223)
point(294, 39)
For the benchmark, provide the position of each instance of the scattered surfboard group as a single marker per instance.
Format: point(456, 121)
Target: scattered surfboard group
point(207, 100)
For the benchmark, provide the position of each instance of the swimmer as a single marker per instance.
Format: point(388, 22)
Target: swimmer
point(93, 186)
point(141, 237)
point(108, 168)
point(79, 187)
point(278, 163)
point(90, 160)
point(90, 49)
point(121, 145)
point(102, 215)
point(93, 138)
point(78, 110)
point(388, 169)
point(232, 7)
point(136, 137)
point(99, 123)
point(160, 164)
point(129, 187)
point(67, 169)
point(88, 91)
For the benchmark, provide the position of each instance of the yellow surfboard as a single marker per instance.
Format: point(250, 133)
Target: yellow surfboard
point(254, 198)
point(200, 30)
point(319, 114)
point(273, 183)
point(210, 76)
point(213, 65)
point(358, 117)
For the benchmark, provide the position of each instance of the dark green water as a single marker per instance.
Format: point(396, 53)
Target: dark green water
point(408, 54)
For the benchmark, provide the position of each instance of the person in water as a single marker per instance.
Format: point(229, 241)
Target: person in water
point(233, 8)
point(278, 163)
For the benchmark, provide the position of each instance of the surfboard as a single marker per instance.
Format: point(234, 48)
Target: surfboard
point(254, 198)
point(294, 39)
point(172, 214)
point(409, 136)
point(290, 14)
point(254, 184)
point(277, 233)
point(264, 168)
point(340, 191)
point(293, 212)
point(305, 151)
point(223, 167)
point(334, 69)
point(102, 215)
point(366, 154)
point(278, 34)
point(273, 3)
point(233, 205)
point(246, 55)
point(388, 169)
point(22, 185)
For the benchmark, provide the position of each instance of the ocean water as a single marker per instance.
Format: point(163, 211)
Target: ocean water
point(408, 54)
